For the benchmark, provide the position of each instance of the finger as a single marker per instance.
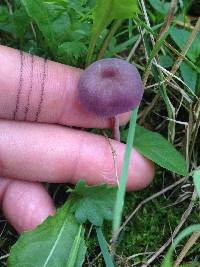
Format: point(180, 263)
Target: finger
point(54, 153)
point(25, 204)
point(32, 89)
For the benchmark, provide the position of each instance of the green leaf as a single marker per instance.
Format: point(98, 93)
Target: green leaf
point(64, 26)
point(20, 22)
point(180, 37)
point(189, 75)
point(119, 203)
point(105, 12)
point(160, 6)
point(51, 18)
point(168, 262)
point(57, 242)
point(104, 248)
point(6, 23)
point(124, 9)
point(166, 61)
point(155, 147)
point(73, 51)
point(93, 203)
point(4, 14)
point(196, 179)
point(37, 11)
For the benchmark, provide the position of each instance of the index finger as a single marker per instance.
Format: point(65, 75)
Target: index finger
point(34, 89)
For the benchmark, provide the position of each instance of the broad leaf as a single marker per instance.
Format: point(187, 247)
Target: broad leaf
point(155, 147)
point(105, 12)
point(180, 37)
point(57, 242)
point(160, 6)
point(166, 61)
point(93, 203)
point(196, 179)
point(189, 75)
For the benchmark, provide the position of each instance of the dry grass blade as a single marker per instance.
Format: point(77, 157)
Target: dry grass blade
point(135, 46)
point(9, 7)
point(191, 241)
point(174, 234)
point(168, 20)
point(163, 31)
point(148, 109)
point(185, 49)
point(4, 256)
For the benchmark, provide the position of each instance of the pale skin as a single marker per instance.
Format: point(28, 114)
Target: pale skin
point(38, 104)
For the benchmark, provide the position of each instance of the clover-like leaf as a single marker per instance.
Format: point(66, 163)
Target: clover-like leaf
point(93, 203)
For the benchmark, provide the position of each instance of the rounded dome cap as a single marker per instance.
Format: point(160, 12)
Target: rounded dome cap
point(109, 87)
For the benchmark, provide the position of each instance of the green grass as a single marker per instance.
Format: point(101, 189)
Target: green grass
point(154, 223)
point(151, 226)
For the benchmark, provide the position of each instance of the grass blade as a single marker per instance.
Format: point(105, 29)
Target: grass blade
point(104, 248)
point(124, 174)
point(187, 231)
point(76, 247)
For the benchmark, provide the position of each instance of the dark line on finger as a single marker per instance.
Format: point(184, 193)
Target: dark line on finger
point(19, 90)
point(42, 91)
point(30, 89)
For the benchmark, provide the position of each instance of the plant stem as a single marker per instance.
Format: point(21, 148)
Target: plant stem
point(115, 128)
point(91, 50)
point(108, 38)
point(119, 203)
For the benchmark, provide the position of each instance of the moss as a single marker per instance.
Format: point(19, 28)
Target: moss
point(151, 226)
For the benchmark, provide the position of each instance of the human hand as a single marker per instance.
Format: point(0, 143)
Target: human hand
point(37, 98)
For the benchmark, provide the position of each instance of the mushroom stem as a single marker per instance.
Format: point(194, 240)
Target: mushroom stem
point(115, 128)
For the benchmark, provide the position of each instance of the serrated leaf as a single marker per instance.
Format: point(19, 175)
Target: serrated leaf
point(51, 18)
point(64, 26)
point(57, 242)
point(72, 51)
point(180, 37)
point(156, 148)
point(196, 179)
point(93, 203)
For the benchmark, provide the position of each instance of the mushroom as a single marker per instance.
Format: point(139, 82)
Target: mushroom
point(109, 87)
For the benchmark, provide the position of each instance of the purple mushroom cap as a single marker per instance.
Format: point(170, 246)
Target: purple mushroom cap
point(109, 87)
